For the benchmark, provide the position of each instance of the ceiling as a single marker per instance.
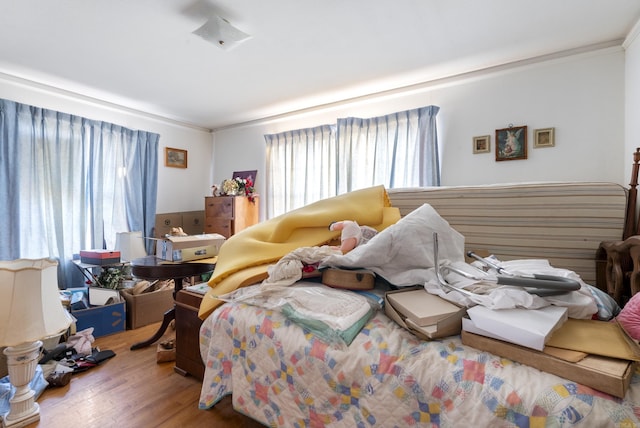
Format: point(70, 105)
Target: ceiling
point(143, 55)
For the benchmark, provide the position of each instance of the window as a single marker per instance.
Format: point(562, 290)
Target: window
point(396, 150)
point(71, 183)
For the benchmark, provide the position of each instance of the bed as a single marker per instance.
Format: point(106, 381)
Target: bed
point(282, 375)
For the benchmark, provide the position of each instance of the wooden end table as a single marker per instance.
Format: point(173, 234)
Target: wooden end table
point(153, 268)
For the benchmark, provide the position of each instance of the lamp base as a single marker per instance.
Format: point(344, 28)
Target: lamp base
point(22, 361)
point(23, 420)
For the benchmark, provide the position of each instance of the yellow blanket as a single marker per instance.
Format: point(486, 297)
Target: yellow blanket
point(245, 257)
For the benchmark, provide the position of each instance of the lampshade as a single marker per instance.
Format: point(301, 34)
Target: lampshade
point(30, 306)
point(220, 32)
point(30, 310)
point(130, 245)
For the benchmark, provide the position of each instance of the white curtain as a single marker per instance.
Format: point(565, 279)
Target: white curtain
point(396, 150)
point(301, 168)
point(70, 183)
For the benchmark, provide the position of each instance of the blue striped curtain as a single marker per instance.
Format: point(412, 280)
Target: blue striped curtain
point(69, 183)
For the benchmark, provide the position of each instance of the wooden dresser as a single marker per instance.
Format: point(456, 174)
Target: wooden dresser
point(227, 215)
point(188, 359)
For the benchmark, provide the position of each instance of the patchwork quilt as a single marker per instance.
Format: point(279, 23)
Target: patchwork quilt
point(283, 376)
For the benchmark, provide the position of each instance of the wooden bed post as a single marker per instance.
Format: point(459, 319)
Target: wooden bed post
point(623, 257)
point(630, 226)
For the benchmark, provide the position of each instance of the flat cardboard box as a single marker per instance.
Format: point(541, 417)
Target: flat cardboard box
point(100, 257)
point(609, 375)
point(146, 308)
point(527, 327)
point(448, 324)
point(105, 320)
point(187, 248)
point(421, 307)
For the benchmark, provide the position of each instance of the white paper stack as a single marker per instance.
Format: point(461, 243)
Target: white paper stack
point(526, 327)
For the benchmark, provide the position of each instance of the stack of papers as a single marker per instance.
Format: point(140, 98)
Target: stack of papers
point(531, 328)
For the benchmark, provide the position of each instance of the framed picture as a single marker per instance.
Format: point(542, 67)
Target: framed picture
point(175, 158)
point(544, 138)
point(511, 143)
point(246, 174)
point(482, 144)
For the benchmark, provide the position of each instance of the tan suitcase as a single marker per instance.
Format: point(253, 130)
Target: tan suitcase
point(348, 279)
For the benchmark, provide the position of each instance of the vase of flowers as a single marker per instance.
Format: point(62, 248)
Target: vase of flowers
point(239, 187)
point(230, 187)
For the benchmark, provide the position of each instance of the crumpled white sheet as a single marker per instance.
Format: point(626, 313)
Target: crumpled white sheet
point(580, 303)
point(288, 269)
point(403, 252)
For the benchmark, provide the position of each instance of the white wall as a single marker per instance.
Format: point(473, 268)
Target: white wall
point(581, 96)
point(632, 99)
point(178, 189)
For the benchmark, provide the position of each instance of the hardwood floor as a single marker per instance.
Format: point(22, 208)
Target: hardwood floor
point(133, 390)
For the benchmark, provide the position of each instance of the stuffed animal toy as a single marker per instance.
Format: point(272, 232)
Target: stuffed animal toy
point(352, 234)
point(177, 231)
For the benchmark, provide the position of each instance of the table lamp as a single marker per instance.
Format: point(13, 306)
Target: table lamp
point(30, 310)
point(130, 245)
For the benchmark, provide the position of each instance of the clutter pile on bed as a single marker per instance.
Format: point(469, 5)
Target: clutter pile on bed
point(296, 353)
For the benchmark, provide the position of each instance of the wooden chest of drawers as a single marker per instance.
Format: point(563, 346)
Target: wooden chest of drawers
point(227, 215)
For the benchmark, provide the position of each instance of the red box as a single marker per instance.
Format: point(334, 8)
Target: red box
point(99, 257)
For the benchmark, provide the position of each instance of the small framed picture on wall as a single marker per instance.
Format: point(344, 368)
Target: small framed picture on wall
point(544, 138)
point(482, 144)
point(175, 158)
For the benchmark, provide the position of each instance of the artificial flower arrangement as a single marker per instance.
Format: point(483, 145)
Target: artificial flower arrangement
point(239, 187)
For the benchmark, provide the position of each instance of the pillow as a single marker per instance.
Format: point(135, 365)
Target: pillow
point(629, 317)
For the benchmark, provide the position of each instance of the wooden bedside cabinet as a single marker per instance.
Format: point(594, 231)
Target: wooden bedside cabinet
point(228, 215)
point(188, 360)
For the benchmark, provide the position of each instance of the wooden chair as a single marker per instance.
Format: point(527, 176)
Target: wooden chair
point(622, 271)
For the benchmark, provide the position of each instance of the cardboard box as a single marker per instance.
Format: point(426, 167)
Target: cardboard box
point(527, 327)
point(164, 223)
point(164, 355)
point(187, 248)
point(105, 320)
point(609, 375)
point(100, 257)
point(448, 322)
point(99, 296)
point(193, 222)
point(146, 308)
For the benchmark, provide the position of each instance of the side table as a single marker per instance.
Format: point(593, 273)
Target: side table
point(152, 267)
point(188, 359)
